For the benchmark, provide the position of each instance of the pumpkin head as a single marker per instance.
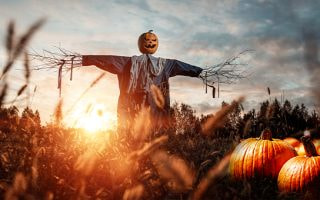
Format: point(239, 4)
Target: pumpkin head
point(148, 43)
point(301, 173)
point(257, 158)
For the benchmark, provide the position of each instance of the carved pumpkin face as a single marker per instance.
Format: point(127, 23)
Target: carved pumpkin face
point(148, 43)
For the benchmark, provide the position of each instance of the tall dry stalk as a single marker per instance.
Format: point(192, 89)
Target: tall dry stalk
point(3, 93)
point(24, 40)
point(214, 174)
point(14, 47)
point(173, 169)
point(22, 89)
point(148, 148)
point(10, 39)
point(157, 96)
point(218, 120)
point(58, 114)
point(86, 162)
point(134, 193)
point(18, 188)
point(142, 125)
point(14, 50)
point(93, 83)
point(27, 67)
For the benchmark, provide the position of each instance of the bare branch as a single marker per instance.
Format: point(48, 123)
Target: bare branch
point(226, 72)
point(52, 60)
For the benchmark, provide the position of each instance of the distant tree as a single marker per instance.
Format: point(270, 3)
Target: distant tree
point(184, 119)
point(313, 120)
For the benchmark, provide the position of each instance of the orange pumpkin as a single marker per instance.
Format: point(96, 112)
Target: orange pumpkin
point(148, 43)
point(259, 157)
point(316, 142)
point(301, 173)
point(292, 141)
point(300, 149)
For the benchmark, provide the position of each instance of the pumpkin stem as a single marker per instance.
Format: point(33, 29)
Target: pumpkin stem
point(309, 147)
point(150, 31)
point(266, 134)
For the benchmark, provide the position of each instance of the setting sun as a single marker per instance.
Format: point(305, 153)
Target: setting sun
point(93, 118)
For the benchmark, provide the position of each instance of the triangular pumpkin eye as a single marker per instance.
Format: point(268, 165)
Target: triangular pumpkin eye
point(154, 40)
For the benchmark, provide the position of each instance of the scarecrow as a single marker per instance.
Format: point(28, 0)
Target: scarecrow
point(138, 74)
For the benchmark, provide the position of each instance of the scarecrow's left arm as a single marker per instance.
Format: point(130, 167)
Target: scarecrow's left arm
point(176, 67)
point(110, 63)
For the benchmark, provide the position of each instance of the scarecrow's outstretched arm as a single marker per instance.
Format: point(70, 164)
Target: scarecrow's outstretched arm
point(176, 67)
point(110, 63)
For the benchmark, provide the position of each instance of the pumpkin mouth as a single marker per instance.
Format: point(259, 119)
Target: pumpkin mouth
point(150, 46)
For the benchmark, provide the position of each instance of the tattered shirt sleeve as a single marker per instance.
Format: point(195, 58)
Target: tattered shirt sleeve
point(176, 67)
point(110, 63)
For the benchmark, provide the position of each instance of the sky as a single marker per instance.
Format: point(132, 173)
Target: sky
point(202, 33)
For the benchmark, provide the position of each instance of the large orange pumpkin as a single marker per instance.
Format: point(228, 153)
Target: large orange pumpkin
point(148, 43)
point(259, 157)
point(301, 173)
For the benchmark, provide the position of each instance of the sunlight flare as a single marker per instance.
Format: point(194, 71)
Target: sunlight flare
point(93, 118)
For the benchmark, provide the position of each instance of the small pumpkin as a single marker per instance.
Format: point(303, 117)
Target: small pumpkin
point(259, 157)
point(316, 143)
point(300, 149)
point(301, 173)
point(292, 141)
point(148, 43)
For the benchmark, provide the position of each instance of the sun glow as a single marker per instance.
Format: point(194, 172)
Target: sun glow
point(94, 118)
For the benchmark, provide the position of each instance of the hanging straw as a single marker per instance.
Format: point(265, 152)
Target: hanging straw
point(206, 83)
point(218, 87)
point(213, 92)
point(60, 76)
point(71, 72)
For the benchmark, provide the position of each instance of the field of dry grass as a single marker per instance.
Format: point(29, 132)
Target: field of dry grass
point(51, 161)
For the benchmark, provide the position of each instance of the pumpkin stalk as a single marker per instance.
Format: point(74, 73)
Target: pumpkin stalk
point(266, 135)
point(309, 147)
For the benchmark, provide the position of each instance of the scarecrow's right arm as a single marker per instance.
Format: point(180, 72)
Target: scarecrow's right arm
point(110, 63)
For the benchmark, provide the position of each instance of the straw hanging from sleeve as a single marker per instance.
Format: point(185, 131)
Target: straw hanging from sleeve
point(71, 72)
point(60, 76)
point(213, 92)
point(206, 83)
point(218, 87)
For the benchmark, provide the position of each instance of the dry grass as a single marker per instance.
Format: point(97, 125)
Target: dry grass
point(157, 96)
point(218, 119)
point(58, 114)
